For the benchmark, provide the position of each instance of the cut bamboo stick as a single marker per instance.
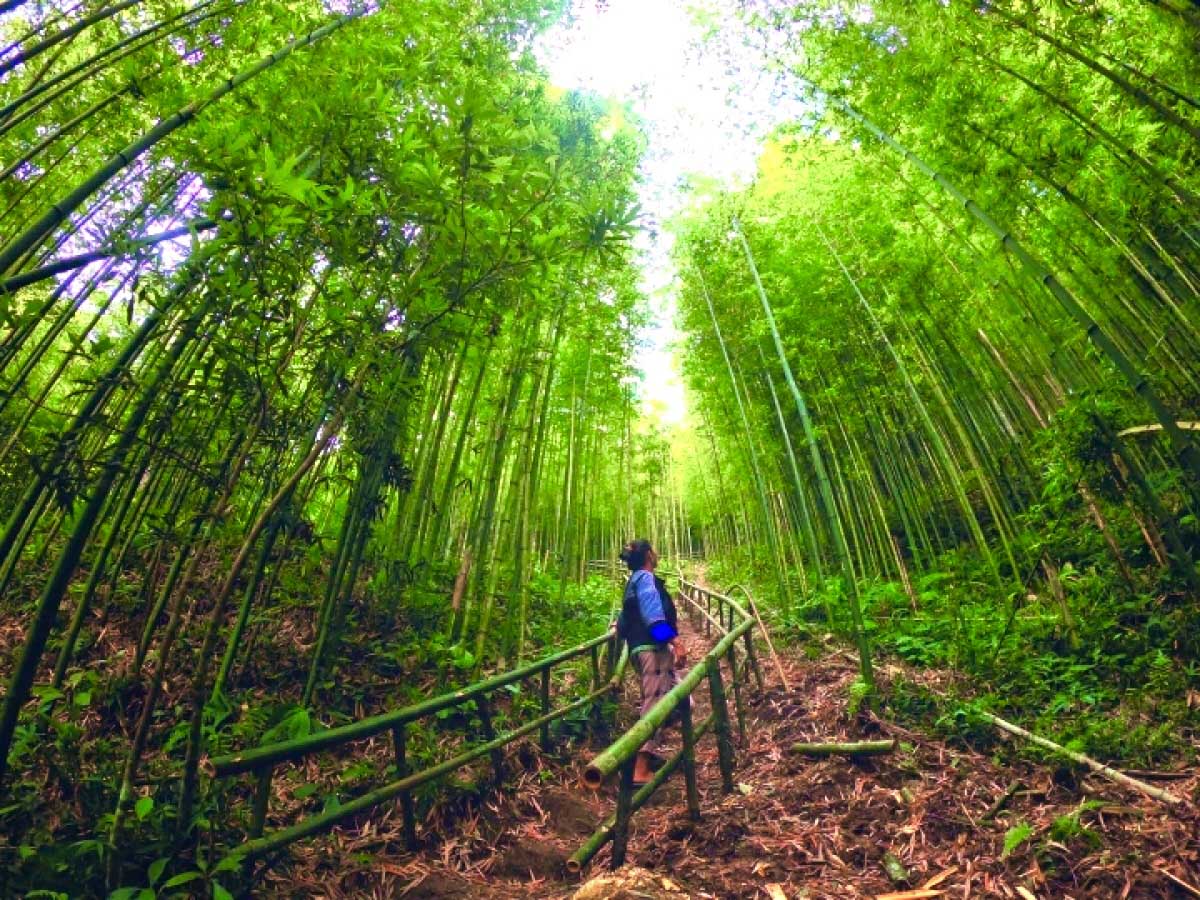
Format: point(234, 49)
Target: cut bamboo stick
point(1001, 801)
point(852, 748)
point(1190, 889)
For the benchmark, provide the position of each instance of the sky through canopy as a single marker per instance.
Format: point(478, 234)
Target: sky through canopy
point(705, 103)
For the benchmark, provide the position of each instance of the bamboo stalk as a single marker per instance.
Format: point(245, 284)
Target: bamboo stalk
point(834, 521)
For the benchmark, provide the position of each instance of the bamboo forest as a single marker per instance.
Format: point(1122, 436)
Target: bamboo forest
point(357, 357)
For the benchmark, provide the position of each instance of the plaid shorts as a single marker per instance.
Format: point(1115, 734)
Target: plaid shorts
point(656, 675)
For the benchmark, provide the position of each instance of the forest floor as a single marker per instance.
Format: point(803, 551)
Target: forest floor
point(795, 827)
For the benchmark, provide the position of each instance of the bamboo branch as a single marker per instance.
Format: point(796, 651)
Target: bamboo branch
point(133, 247)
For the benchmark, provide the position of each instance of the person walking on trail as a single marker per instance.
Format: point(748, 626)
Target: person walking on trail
point(648, 624)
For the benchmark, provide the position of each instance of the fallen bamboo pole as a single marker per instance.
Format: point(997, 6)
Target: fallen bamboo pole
point(1107, 771)
point(852, 748)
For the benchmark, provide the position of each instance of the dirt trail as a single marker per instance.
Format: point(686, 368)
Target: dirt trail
point(813, 828)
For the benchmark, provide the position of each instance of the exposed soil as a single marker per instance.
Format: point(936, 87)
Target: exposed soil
point(814, 828)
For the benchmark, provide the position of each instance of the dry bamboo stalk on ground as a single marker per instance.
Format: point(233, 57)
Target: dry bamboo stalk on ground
point(766, 636)
point(1107, 771)
point(1098, 767)
point(1150, 429)
point(1191, 889)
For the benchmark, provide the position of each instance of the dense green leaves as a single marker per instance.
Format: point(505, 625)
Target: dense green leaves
point(405, 340)
point(316, 339)
point(979, 192)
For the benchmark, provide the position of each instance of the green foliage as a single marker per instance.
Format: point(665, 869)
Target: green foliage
point(1015, 837)
point(1068, 827)
point(355, 434)
point(1012, 508)
point(858, 693)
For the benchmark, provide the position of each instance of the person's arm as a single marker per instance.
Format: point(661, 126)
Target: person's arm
point(651, 608)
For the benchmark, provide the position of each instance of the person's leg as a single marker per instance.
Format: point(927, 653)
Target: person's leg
point(657, 677)
point(645, 663)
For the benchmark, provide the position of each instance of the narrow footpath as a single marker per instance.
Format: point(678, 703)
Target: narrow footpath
point(794, 827)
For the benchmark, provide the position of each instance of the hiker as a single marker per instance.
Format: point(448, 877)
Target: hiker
point(648, 624)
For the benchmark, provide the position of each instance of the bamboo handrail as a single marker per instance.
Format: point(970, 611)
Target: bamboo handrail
point(286, 751)
point(619, 755)
point(604, 833)
point(709, 617)
point(766, 635)
point(262, 760)
point(321, 822)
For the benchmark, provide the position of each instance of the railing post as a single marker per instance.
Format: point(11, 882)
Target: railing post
point(752, 658)
point(708, 619)
point(737, 693)
point(687, 732)
point(721, 726)
point(262, 797)
point(610, 671)
point(489, 734)
point(545, 733)
point(596, 719)
point(624, 811)
point(400, 746)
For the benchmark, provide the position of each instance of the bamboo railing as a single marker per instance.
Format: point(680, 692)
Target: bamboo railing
point(733, 623)
point(717, 612)
point(262, 761)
